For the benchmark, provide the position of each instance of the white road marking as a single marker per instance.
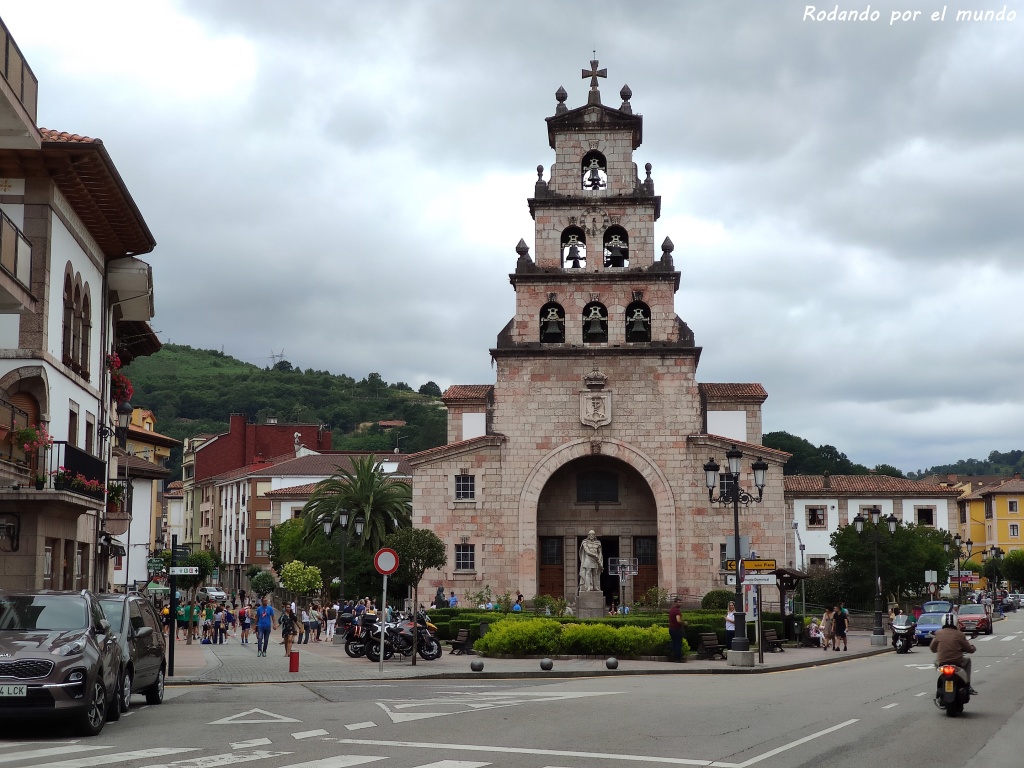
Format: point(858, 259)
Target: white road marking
point(360, 726)
point(922, 693)
point(339, 761)
point(890, 706)
point(455, 764)
point(985, 639)
point(117, 757)
point(473, 702)
point(920, 666)
point(29, 754)
point(309, 734)
point(250, 743)
point(1008, 637)
point(785, 747)
point(243, 717)
point(228, 758)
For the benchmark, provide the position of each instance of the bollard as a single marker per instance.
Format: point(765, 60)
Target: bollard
point(546, 664)
point(477, 665)
point(612, 663)
point(293, 662)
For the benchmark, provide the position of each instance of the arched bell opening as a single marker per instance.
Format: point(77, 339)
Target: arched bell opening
point(616, 248)
point(638, 322)
point(552, 323)
point(594, 171)
point(595, 323)
point(613, 499)
point(574, 248)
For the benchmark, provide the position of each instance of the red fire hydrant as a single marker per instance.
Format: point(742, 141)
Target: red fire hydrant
point(293, 662)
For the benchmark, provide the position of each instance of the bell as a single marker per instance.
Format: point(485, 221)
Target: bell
point(574, 257)
point(637, 326)
point(594, 326)
point(551, 326)
point(594, 178)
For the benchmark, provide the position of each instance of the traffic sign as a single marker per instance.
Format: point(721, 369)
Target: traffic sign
point(155, 564)
point(752, 565)
point(385, 561)
point(760, 579)
point(184, 570)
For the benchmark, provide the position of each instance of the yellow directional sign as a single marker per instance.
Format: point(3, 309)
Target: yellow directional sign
point(752, 565)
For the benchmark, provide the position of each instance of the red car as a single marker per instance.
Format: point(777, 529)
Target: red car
point(974, 618)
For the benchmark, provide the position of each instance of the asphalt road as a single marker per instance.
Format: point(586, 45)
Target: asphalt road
point(868, 711)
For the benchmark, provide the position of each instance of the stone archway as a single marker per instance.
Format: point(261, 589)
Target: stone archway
point(611, 450)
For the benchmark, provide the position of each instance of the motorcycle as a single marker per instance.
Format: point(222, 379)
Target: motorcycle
point(398, 638)
point(903, 633)
point(354, 633)
point(952, 690)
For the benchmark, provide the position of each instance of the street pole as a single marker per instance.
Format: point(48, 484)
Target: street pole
point(740, 642)
point(878, 630)
point(174, 609)
point(878, 633)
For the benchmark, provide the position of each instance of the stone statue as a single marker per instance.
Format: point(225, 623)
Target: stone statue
point(591, 563)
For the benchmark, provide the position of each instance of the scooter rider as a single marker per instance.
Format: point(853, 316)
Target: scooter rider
point(950, 644)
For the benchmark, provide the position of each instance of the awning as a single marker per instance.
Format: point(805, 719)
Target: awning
point(157, 589)
point(117, 547)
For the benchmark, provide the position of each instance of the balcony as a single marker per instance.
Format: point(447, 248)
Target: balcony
point(15, 268)
point(20, 93)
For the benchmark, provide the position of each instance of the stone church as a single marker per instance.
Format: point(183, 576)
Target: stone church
point(596, 420)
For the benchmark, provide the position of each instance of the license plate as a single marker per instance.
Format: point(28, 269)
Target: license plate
point(949, 686)
point(13, 690)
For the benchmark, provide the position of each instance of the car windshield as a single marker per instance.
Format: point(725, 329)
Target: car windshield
point(939, 606)
point(972, 610)
point(930, 618)
point(48, 613)
point(114, 611)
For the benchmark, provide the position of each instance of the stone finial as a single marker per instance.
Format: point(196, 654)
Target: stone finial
point(540, 186)
point(626, 95)
point(523, 249)
point(649, 182)
point(666, 252)
point(540, 173)
point(560, 97)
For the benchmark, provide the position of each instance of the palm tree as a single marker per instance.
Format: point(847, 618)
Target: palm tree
point(364, 491)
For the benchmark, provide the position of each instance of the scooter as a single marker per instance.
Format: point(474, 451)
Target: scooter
point(952, 690)
point(903, 633)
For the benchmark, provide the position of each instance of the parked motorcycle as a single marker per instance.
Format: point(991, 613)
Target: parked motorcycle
point(355, 635)
point(903, 627)
point(398, 638)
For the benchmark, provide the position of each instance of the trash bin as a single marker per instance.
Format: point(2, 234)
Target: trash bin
point(293, 662)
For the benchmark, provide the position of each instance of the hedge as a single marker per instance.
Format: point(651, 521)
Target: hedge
point(536, 636)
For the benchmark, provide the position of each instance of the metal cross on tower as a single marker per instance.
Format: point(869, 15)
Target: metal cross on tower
point(593, 73)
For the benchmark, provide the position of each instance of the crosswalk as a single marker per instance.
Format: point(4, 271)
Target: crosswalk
point(1001, 638)
point(33, 755)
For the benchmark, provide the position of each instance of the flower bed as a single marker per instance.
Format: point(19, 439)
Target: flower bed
point(529, 637)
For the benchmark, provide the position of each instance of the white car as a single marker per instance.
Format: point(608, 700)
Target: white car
point(216, 594)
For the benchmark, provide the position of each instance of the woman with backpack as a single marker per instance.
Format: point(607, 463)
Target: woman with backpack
point(289, 629)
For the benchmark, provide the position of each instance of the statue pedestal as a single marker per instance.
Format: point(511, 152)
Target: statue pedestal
point(739, 658)
point(590, 605)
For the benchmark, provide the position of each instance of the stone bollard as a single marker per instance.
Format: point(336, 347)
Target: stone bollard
point(476, 665)
point(547, 664)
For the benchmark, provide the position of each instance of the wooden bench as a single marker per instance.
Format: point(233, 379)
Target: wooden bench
point(772, 641)
point(461, 643)
point(709, 647)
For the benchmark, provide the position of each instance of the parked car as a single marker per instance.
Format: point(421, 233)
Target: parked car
point(974, 618)
point(143, 647)
point(927, 625)
point(205, 594)
point(59, 658)
point(937, 606)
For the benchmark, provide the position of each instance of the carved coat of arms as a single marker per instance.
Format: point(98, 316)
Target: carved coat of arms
point(596, 408)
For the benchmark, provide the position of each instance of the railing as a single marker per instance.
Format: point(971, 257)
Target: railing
point(17, 72)
point(15, 252)
point(68, 467)
point(12, 418)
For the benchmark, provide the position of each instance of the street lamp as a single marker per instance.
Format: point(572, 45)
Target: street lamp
point(343, 525)
point(878, 634)
point(733, 493)
point(996, 554)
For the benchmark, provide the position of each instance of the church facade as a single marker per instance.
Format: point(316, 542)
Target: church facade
point(596, 420)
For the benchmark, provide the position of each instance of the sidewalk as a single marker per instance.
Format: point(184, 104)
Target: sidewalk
point(325, 662)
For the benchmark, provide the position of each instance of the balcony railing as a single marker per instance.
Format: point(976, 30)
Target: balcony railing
point(17, 72)
point(71, 469)
point(15, 252)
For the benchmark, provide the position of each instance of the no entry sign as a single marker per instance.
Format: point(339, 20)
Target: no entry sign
point(385, 561)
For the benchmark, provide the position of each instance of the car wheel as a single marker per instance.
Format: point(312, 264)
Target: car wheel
point(91, 721)
point(124, 694)
point(155, 692)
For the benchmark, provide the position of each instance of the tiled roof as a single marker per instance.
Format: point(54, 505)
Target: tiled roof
point(1016, 485)
point(467, 392)
point(862, 484)
point(313, 465)
point(750, 450)
point(63, 136)
point(734, 391)
point(292, 492)
point(457, 447)
point(393, 423)
point(148, 436)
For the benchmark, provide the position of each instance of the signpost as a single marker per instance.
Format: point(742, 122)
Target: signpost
point(184, 570)
point(155, 564)
point(386, 563)
point(760, 579)
point(752, 565)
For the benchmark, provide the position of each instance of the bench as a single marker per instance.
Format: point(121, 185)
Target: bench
point(709, 646)
point(772, 641)
point(461, 644)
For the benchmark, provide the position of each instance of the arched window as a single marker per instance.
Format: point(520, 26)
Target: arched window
point(76, 330)
point(616, 247)
point(69, 318)
point(595, 323)
point(86, 332)
point(594, 171)
point(597, 485)
point(638, 322)
point(552, 323)
point(574, 248)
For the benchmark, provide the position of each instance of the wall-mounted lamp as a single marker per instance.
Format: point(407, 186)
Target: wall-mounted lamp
point(124, 417)
point(10, 532)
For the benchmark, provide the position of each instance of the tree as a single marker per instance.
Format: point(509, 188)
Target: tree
point(385, 504)
point(288, 542)
point(301, 578)
point(418, 549)
point(1012, 567)
point(252, 571)
point(263, 583)
point(206, 562)
point(430, 389)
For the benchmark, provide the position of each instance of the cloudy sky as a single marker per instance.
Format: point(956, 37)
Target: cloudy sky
point(347, 181)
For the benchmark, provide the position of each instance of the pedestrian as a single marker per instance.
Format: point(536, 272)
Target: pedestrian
point(218, 625)
point(332, 620)
point(265, 621)
point(317, 618)
point(181, 613)
point(826, 629)
point(245, 622)
point(676, 625)
point(289, 630)
point(165, 619)
point(840, 622)
point(730, 624)
point(304, 627)
point(453, 601)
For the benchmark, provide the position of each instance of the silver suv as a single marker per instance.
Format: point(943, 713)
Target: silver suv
point(59, 657)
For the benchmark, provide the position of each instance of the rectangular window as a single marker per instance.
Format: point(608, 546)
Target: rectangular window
point(963, 513)
point(1012, 505)
point(646, 550)
point(988, 507)
point(465, 487)
point(816, 561)
point(1014, 530)
point(551, 549)
point(815, 517)
point(73, 428)
point(597, 486)
point(465, 557)
point(925, 516)
point(722, 556)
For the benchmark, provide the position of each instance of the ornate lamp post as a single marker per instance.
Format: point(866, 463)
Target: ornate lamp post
point(734, 494)
point(343, 525)
point(996, 555)
point(878, 633)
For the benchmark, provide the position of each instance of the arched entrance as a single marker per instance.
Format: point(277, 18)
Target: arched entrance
point(609, 496)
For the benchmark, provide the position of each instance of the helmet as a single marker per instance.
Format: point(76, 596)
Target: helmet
point(949, 620)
